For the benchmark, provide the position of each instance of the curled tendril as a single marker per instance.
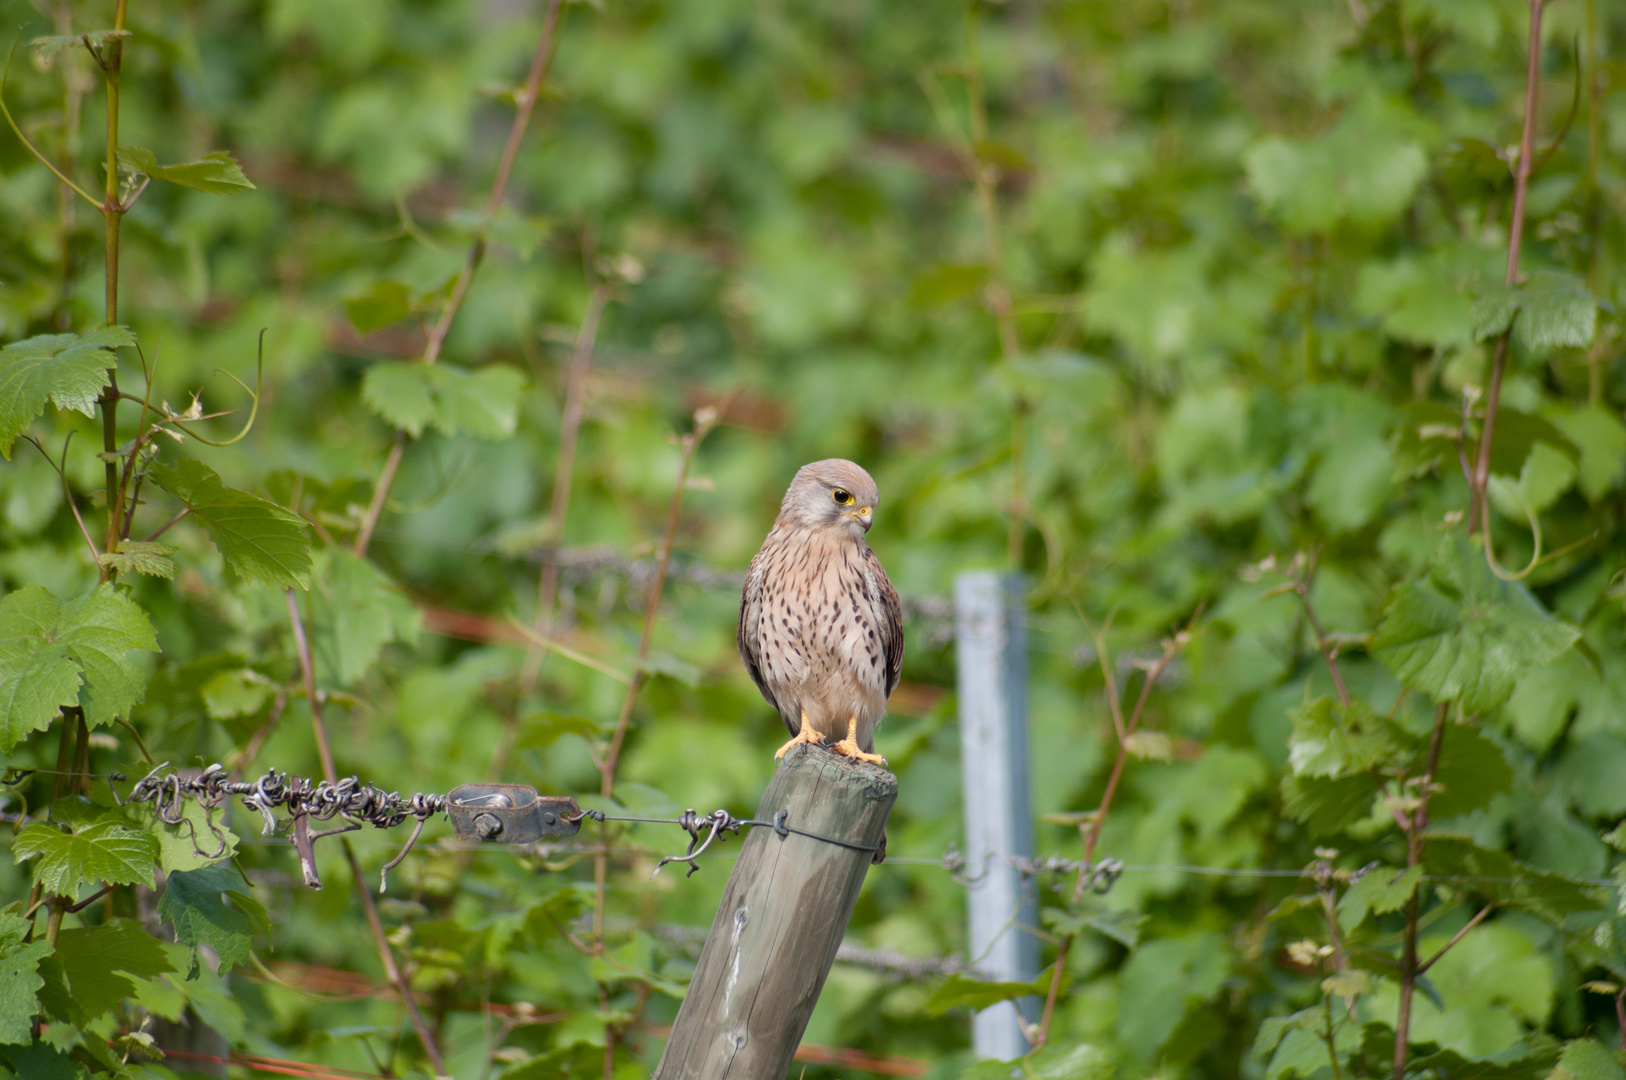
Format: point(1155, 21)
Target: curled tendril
point(1490, 548)
point(259, 382)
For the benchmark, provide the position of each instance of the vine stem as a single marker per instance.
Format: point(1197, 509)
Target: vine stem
point(1409, 968)
point(386, 954)
point(564, 472)
point(540, 61)
point(1479, 508)
point(113, 218)
point(1171, 648)
point(705, 420)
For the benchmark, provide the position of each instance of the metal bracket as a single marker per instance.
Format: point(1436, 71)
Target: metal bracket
point(509, 813)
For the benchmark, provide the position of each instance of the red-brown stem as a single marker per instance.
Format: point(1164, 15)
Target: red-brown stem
point(581, 360)
point(381, 493)
point(112, 216)
point(705, 420)
point(1171, 649)
point(1409, 969)
point(386, 954)
point(308, 669)
point(1458, 936)
point(477, 250)
point(1327, 649)
point(1478, 509)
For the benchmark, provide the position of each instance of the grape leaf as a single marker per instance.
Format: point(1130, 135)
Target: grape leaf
point(1331, 740)
point(960, 991)
point(483, 403)
point(68, 370)
point(106, 851)
point(55, 654)
point(259, 540)
point(193, 902)
point(1586, 1059)
point(1546, 311)
point(386, 303)
point(20, 980)
point(1513, 884)
point(1472, 771)
point(1381, 889)
point(91, 962)
point(141, 557)
point(217, 173)
point(1328, 805)
point(1462, 634)
point(357, 610)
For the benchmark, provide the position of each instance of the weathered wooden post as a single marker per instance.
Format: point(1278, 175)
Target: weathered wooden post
point(990, 638)
point(780, 922)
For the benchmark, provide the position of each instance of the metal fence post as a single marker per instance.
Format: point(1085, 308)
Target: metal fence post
point(991, 647)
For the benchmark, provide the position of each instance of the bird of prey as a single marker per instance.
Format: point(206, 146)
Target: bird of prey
point(821, 630)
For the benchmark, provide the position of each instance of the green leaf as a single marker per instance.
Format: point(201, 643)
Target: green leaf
point(95, 963)
point(384, 304)
point(104, 852)
point(1548, 310)
point(236, 692)
point(546, 728)
point(1122, 925)
point(140, 557)
point(960, 991)
point(194, 901)
point(68, 370)
point(1472, 771)
point(1328, 806)
point(20, 980)
point(570, 1062)
point(42, 1061)
point(356, 611)
point(1601, 437)
point(217, 173)
point(191, 843)
point(483, 403)
point(1585, 1059)
point(401, 394)
point(259, 540)
point(947, 283)
point(1381, 889)
point(660, 663)
point(55, 654)
point(1556, 310)
point(48, 47)
point(1331, 740)
point(1365, 170)
point(1461, 634)
point(1511, 883)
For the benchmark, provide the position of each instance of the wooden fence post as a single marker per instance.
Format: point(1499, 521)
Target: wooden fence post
point(990, 636)
point(780, 922)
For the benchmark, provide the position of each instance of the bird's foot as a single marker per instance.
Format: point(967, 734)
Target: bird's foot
point(848, 747)
point(808, 736)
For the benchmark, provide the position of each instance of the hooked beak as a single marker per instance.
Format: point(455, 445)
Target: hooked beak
point(864, 517)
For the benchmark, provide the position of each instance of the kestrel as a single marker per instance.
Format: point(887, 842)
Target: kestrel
point(821, 631)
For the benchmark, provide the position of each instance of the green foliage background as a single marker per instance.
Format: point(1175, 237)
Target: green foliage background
point(1186, 308)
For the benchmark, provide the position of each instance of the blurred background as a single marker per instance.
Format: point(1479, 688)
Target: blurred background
point(1128, 297)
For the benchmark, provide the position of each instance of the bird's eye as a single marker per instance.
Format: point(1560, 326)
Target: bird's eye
point(845, 498)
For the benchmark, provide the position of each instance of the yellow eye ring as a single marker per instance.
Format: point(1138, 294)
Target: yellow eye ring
point(845, 498)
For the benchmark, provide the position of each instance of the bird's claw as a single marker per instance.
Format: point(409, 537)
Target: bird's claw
point(808, 735)
point(849, 748)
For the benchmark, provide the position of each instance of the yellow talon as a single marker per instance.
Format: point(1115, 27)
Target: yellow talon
point(808, 735)
point(848, 747)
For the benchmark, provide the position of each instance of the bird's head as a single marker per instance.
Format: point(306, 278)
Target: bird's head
point(831, 493)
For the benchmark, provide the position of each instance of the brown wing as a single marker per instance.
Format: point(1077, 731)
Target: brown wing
point(891, 620)
point(750, 619)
